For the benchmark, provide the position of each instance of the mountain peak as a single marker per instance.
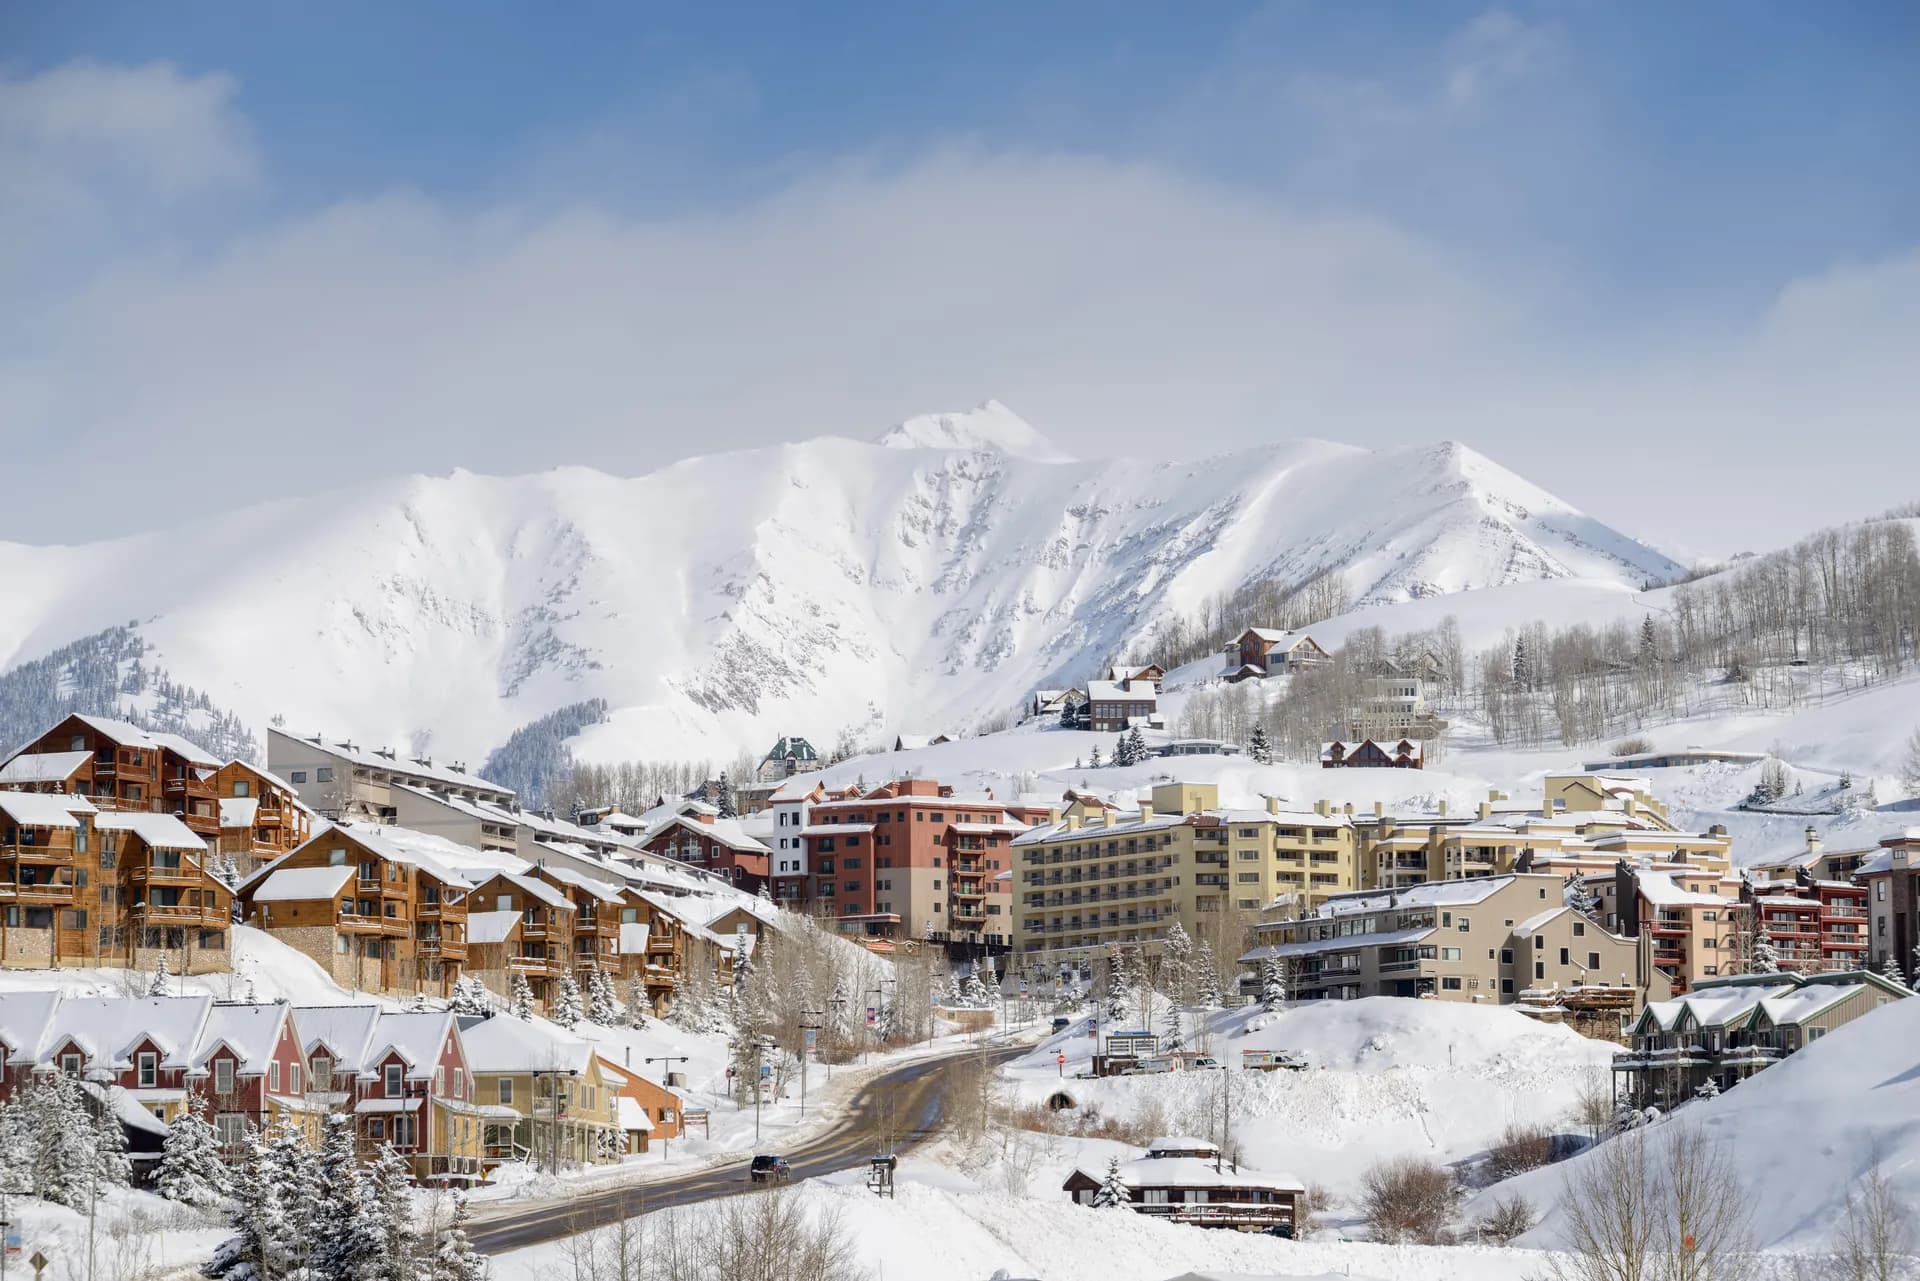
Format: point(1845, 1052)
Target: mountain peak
point(991, 426)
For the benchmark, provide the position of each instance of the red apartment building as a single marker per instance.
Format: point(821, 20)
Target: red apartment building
point(1816, 926)
point(911, 859)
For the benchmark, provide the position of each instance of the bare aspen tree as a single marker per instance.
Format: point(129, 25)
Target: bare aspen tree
point(1706, 1228)
point(1876, 1237)
point(1608, 1214)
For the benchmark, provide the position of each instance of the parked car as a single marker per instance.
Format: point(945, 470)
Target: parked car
point(1152, 1067)
point(1062, 1023)
point(1207, 1062)
point(767, 1168)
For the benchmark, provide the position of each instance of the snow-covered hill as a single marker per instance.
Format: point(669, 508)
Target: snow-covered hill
point(920, 583)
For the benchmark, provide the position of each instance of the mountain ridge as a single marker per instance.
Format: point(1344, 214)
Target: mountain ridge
point(918, 585)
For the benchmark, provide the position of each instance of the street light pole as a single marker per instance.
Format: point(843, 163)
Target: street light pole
point(804, 1041)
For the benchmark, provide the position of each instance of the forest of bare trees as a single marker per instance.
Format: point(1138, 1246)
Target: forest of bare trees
point(1269, 603)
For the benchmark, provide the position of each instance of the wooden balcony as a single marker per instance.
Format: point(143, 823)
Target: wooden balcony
point(182, 875)
point(36, 853)
point(181, 914)
point(35, 892)
point(355, 923)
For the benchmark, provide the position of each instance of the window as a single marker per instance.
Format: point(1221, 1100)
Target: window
point(223, 1076)
point(1579, 929)
point(293, 1078)
point(439, 1080)
point(241, 787)
point(1449, 953)
point(149, 1070)
point(299, 776)
point(1506, 985)
point(1593, 960)
point(273, 1076)
point(324, 774)
point(393, 1083)
point(1465, 923)
point(376, 1129)
point(1539, 969)
point(506, 1090)
point(459, 1084)
point(229, 1128)
point(1450, 984)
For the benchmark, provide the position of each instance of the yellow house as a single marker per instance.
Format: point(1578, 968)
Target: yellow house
point(545, 1097)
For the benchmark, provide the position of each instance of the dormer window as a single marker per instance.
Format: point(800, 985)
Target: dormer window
point(393, 1081)
point(147, 1070)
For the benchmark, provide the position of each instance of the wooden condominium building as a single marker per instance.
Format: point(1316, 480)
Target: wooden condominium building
point(1728, 1028)
point(79, 887)
point(374, 914)
point(121, 767)
point(1190, 1181)
point(1486, 939)
point(700, 838)
point(346, 780)
point(1096, 875)
point(261, 816)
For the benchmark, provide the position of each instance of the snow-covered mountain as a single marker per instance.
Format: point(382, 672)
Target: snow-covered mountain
point(918, 583)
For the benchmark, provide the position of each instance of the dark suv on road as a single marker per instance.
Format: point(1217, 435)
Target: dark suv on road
point(767, 1168)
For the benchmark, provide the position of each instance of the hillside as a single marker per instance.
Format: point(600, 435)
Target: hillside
point(1801, 1133)
point(924, 582)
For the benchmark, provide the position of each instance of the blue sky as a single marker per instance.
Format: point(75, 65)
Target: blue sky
point(1542, 221)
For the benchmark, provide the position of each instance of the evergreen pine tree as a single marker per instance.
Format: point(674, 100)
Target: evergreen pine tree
point(1522, 670)
point(1890, 970)
point(1176, 964)
point(293, 1170)
point(191, 1170)
point(161, 979)
point(725, 801)
point(639, 1004)
point(339, 1252)
point(1136, 747)
point(1649, 641)
point(1206, 977)
point(1123, 750)
point(1113, 1193)
point(974, 993)
point(454, 1258)
point(110, 1144)
point(1093, 758)
point(470, 998)
point(258, 1248)
point(1765, 959)
point(520, 997)
point(568, 1010)
point(64, 1142)
point(603, 1002)
point(386, 1222)
point(1707, 1090)
point(1119, 987)
point(1273, 984)
point(1068, 719)
point(1259, 746)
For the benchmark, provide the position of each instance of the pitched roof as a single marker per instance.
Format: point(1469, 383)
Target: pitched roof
point(162, 831)
point(416, 1035)
point(345, 1030)
point(503, 1043)
point(39, 809)
point(302, 884)
point(249, 1029)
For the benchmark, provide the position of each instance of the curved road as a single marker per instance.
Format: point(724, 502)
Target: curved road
point(891, 1113)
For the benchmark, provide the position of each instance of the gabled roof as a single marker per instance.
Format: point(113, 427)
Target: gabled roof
point(25, 1019)
point(725, 831)
point(504, 1044)
point(249, 1030)
point(791, 747)
point(109, 1028)
point(416, 1036)
point(345, 1031)
point(425, 767)
point(302, 884)
point(490, 927)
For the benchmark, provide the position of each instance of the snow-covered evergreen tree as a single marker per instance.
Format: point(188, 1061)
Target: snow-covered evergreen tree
point(974, 992)
point(1578, 897)
point(1069, 715)
point(991, 981)
point(1890, 970)
point(385, 1224)
point(64, 1141)
point(1094, 760)
point(1176, 964)
point(1119, 998)
point(259, 1249)
point(939, 982)
point(453, 1257)
point(1765, 959)
point(1206, 977)
point(110, 1143)
point(639, 1004)
point(293, 1169)
point(470, 998)
point(568, 1009)
point(1916, 969)
point(162, 981)
point(1707, 1090)
point(191, 1169)
point(1113, 1193)
point(1522, 668)
point(1273, 984)
point(1122, 750)
point(725, 799)
point(603, 1002)
point(520, 997)
point(1259, 746)
point(1137, 747)
point(339, 1251)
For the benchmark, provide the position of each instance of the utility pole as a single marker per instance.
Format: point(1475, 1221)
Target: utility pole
point(809, 1032)
point(838, 1004)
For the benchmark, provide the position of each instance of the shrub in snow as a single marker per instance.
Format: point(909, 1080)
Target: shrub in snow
point(1408, 1199)
point(470, 997)
point(160, 983)
point(1508, 1218)
point(1519, 1149)
point(1707, 1090)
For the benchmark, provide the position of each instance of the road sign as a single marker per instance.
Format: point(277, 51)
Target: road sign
point(870, 1014)
point(813, 1037)
point(766, 1071)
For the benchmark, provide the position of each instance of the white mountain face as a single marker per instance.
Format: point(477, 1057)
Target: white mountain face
point(918, 584)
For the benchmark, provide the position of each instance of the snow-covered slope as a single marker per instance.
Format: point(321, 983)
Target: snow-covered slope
point(920, 583)
point(1801, 1135)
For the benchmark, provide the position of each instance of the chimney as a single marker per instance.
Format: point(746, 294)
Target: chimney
point(1073, 821)
point(1486, 810)
point(1273, 804)
point(1632, 806)
point(1320, 807)
point(1349, 809)
point(1146, 811)
point(1813, 840)
point(1443, 807)
point(1379, 810)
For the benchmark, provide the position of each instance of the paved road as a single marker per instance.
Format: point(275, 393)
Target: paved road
point(891, 1113)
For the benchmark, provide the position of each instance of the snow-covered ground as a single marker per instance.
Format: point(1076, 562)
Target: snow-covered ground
point(1389, 1078)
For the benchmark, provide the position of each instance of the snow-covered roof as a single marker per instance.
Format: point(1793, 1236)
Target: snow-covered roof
point(537, 889)
point(1119, 692)
point(1427, 894)
point(404, 766)
point(490, 927)
point(836, 829)
point(108, 1029)
point(186, 749)
point(503, 1044)
point(1533, 923)
point(42, 767)
point(162, 831)
point(416, 1035)
point(249, 1029)
point(1658, 888)
point(1808, 1001)
point(301, 884)
point(345, 1030)
point(1344, 943)
point(24, 1020)
point(725, 831)
point(239, 811)
point(38, 809)
point(1194, 1172)
point(632, 1114)
point(599, 889)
